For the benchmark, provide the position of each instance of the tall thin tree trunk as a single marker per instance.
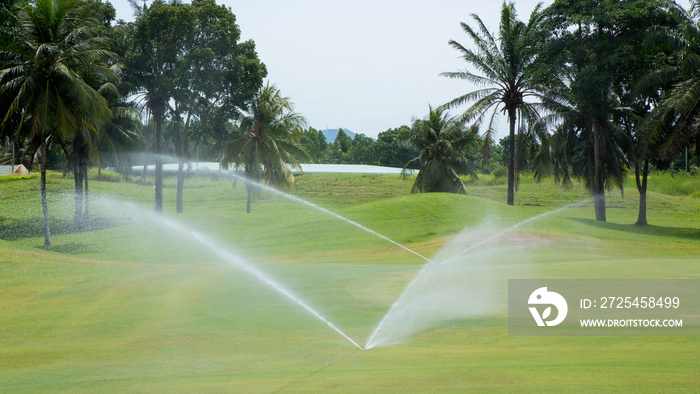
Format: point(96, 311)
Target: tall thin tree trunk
point(599, 168)
point(642, 187)
point(511, 158)
point(182, 137)
point(44, 203)
point(518, 158)
point(13, 156)
point(158, 148)
point(180, 185)
point(196, 149)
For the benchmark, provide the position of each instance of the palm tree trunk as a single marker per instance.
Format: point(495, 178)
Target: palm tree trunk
point(511, 158)
point(642, 187)
point(158, 148)
point(518, 158)
point(196, 149)
point(13, 157)
point(599, 139)
point(180, 184)
point(182, 137)
point(44, 204)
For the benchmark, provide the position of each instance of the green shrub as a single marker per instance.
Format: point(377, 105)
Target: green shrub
point(500, 172)
point(12, 177)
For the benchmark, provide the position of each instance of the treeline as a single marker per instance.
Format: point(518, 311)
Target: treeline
point(598, 88)
point(591, 90)
point(391, 148)
point(75, 85)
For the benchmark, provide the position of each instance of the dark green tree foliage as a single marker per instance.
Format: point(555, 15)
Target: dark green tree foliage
point(114, 138)
point(526, 146)
point(492, 162)
point(217, 76)
point(188, 62)
point(102, 11)
point(315, 143)
point(670, 127)
point(391, 149)
point(161, 36)
point(441, 142)
point(47, 54)
point(599, 43)
point(343, 142)
point(339, 151)
point(362, 151)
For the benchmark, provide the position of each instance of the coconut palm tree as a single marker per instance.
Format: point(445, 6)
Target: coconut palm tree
point(507, 67)
point(568, 150)
point(268, 141)
point(122, 135)
point(45, 55)
point(441, 142)
point(115, 138)
point(672, 125)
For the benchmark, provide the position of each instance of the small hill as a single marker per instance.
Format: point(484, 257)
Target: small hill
point(330, 134)
point(426, 216)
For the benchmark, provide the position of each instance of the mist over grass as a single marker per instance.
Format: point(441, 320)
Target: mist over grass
point(127, 306)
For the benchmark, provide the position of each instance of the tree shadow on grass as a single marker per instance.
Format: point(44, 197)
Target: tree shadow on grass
point(676, 232)
point(13, 229)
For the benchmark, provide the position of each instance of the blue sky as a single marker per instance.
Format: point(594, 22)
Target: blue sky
point(364, 65)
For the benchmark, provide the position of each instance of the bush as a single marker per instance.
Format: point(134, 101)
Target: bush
point(12, 177)
point(105, 175)
point(500, 172)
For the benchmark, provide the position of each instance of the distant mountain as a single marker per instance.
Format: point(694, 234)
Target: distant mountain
point(330, 134)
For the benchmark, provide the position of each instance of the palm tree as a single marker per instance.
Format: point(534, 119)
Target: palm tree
point(670, 90)
point(116, 137)
point(122, 135)
point(45, 56)
point(507, 65)
point(569, 151)
point(441, 142)
point(672, 125)
point(268, 141)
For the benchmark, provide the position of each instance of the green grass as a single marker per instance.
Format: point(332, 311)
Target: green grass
point(126, 305)
point(670, 184)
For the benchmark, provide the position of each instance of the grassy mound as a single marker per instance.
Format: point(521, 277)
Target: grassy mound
point(135, 304)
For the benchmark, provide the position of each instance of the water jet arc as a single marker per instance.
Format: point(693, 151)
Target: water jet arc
point(324, 210)
point(239, 262)
point(370, 341)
